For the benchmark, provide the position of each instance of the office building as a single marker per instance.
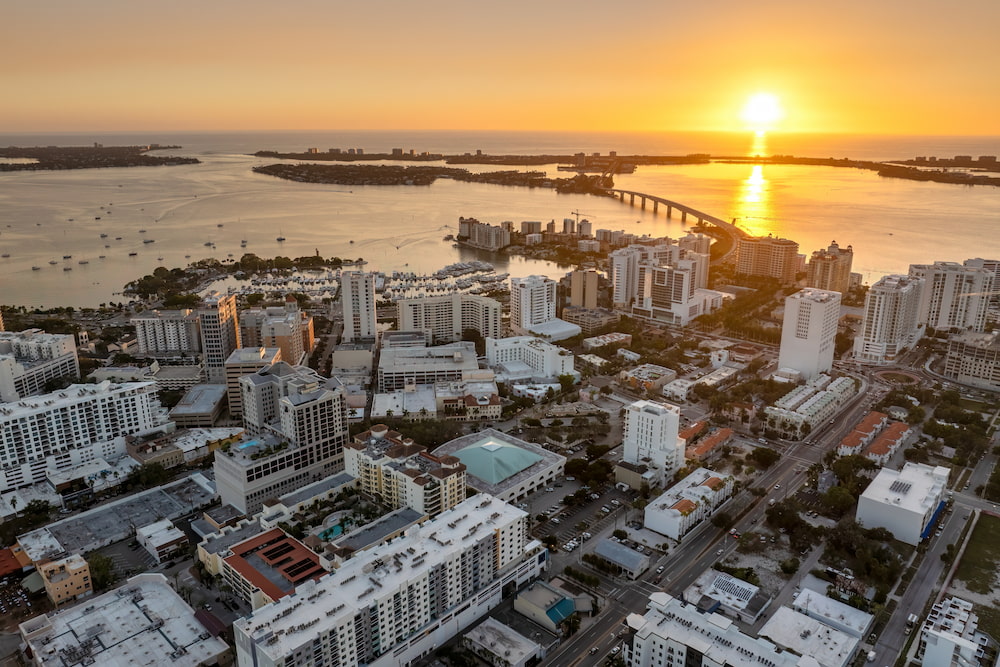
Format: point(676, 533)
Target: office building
point(446, 317)
point(674, 633)
point(244, 361)
point(583, 289)
point(950, 636)
point(809, 331)
point(688, 502)
point(399, 367)
point(672, 290)
point(906, 502)
point(397, 472)
point(166, 333)
point(768, 257)
point(71, 427)
point(285, 327)
point(651, 438)
point(220, 334)
point(631, 562)
point(30, 359)
point(357, 296)
point(399, 601)
point(525, 357)
point(974, 359)
point(66, 580)
point(830, 269)
point(891, 323)
point(954, 296)
point(144, 622)
point(296, 425)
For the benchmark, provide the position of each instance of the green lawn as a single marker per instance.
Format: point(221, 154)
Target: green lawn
point(981, 559)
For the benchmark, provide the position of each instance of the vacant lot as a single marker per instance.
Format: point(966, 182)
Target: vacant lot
point(978, 574)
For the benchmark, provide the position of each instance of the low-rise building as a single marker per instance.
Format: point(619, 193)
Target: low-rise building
point(888, 443)
point(809, 406)
point(544, 604)
point(906, 502)
point(810, 637)
point(145, 617)
point(200, 407)
point(648, 377)
point(974, 359)
point(615, 338)
point(398, 367)
point(862, 434)
point(950, 636)
point(718, 592)
point(671, 627)
point(501, 646)
point(834, 613)
point(269, 566)
point(709, 446)
point(503, 466)
point(161, 539)
point(528, 358)
point(66, 580)
point(688, 502)
point(632, 563)
point(590, 319)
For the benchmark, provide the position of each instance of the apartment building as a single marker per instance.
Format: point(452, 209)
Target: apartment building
point(167, 332)
point(891, 322)
point(830, 269)
point(244, 361)
point(285, 327)
point(447, 316)
point(651, 438)
point(71, 427)
point(955, 297)
point(809, 332)
point(401, 600)
point(357, 298)
point(397, 472)
point(29, 359)
point(66, 580)
point(220, 334)
point(768, 257)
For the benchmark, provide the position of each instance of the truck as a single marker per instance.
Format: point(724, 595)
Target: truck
point(911, 620)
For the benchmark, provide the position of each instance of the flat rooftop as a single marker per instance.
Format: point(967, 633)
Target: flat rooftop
point(496, 461)
point(200, 399)
point(142, 623)
point(807, 636)
point(854, 621)
point(376, 531)
point(916, 487)
point(114, 521)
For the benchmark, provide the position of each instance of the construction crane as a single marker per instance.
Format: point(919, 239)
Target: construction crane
point(578, 214)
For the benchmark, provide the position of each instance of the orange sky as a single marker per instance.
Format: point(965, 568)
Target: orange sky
point(872, 66)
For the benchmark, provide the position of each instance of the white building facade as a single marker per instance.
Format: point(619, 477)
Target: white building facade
point(544, 359)
point(892, 319)
point(809, 331)
point(688, 502)
point(31, 358)
point(906, 502)
point(357, 296)
point(399, 601)
point(447, 316)
point(650, 438)
point(954, 296)
point(68, 428)
point(532, 302)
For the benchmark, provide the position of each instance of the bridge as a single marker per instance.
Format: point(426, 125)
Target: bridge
point(686, 211)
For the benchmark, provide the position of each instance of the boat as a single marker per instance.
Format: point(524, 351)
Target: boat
point(6, 254)
point(67, 256)
point(104, 236)
point(101, 256)
point(149, 240)
point(187, 256)
point(132, 254)
point(220, 225)
point(83, 261)
point(352, 241)
point(207, 244)
point(97, 217)
point(159, 259)
point(36, 268)
point(243, 243)
point(106, 245)
point(118, 238)
point(280, 239)
point(142, 231)
point(67, 268)
point(52, 261)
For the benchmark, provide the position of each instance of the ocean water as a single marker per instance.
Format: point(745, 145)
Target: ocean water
point(46, 215)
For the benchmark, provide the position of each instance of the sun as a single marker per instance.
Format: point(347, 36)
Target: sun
point(762, 112)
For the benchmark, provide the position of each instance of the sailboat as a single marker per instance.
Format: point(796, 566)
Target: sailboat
point(280, 238)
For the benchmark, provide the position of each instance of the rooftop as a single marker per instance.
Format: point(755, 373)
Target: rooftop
point(809, 637)
point(495, 460)
point(815, 604)
point(274, 562)
point(916, 487)
point(200, 399)
point(495, 637)
point(143, 623)
point(375, 532)
point(620, 554)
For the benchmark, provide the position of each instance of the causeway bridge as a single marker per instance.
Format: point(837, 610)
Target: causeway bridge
point(686, 211)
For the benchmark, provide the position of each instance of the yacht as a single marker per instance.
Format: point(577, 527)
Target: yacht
point(280, 239)
point(132, 254)
point(67, 256)
point(83, 261)
point(6, 254)
point(36, 268)
point(104, 236)
point(52, 261)
point(67, 268)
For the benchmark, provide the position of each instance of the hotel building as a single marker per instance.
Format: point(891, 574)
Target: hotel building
point(809, 331)
point(891, 322)
point(651, 438)
point(357, 296)
point(446, 317)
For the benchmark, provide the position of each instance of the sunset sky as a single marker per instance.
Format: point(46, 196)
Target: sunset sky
point(858, 66)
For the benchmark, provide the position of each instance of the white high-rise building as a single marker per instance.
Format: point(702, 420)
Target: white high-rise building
point(532, 302)
point(625, 270)
point(993, 266)
point(954, 296)
point(31, 358)
point(71, 427)
point(651, 438)
point(399, 601)
point(296, 427)
point(220, 334)
point(449, 315)
point(357, 294)
point(167, 332)
point(891, 323)
point(809, 331)
point(671, 289)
